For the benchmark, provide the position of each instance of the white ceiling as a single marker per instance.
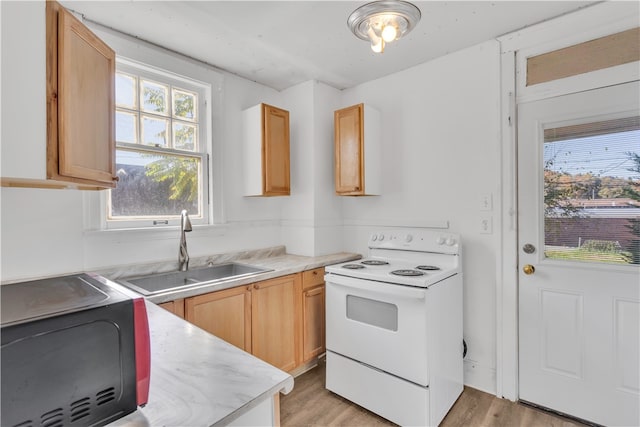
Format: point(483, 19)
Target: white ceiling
point(283, 43)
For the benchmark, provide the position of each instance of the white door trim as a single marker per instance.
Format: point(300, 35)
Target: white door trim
point(586, 24)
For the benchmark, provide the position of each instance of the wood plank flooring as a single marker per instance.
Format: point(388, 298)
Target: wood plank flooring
point(310, 404)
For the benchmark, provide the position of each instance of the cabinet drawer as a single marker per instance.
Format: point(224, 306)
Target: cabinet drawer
point(311, 278)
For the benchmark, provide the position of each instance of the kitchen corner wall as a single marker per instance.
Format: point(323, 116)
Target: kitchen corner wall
point(440, 142)
point(312, 215)
point(441, 153)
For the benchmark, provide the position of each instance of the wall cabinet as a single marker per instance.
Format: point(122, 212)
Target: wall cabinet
point(59, 134)
point(266, 151)
point(280, 320)
point(357, 151)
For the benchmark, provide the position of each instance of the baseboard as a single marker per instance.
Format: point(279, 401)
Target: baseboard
point(479, 377)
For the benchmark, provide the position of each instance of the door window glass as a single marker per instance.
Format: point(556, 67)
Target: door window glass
point(592, 192)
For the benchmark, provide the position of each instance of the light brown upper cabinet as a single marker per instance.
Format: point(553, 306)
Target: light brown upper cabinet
point(266, 151)
point(59, 134)
point(357, 151)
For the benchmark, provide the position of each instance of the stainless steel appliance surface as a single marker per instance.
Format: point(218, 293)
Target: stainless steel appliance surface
point(394, 326)
point(75, 351)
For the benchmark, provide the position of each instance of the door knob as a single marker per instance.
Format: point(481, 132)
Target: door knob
point(529, 269)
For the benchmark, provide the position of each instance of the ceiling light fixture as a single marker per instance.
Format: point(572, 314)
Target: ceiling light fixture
point(381, 22)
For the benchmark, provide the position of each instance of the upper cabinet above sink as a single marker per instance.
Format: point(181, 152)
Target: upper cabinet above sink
point(266, 151)
point(57, 100)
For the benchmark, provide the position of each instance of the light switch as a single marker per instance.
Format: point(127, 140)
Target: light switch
point(486, 202)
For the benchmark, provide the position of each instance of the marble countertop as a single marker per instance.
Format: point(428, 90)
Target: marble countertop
point(275, 259)
point(199, 379)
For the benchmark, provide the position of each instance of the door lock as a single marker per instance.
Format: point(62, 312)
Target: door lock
point(528, 269)
point(528, 248)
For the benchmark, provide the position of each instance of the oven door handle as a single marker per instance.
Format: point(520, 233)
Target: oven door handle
point(379, 288)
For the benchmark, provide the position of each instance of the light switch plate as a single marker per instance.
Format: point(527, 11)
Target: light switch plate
point(486, 224)
point(486, 202)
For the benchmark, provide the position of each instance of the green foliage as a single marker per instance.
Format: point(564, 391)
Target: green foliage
point(181, 174)
point(581, 254)
point(601, 246)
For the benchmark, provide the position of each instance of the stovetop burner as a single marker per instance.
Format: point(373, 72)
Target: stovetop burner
point(353, 266)
point(407, 273)
point(374, 262)
point(428, 267)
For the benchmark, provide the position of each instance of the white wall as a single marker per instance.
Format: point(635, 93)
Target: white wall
point(440, 148)
point(46, 232)
point(441, 151)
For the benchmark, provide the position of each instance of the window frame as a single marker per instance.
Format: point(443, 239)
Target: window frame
point(202, 152)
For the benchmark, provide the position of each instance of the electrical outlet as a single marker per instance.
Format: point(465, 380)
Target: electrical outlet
point(486, 202)
point(486, 226)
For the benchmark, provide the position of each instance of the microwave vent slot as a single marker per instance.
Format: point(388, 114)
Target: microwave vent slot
point(53, 418)
point(80, 409)
point(77, 413)
point(105, 396)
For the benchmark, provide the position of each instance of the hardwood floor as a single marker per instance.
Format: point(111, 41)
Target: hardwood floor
point(310, 404)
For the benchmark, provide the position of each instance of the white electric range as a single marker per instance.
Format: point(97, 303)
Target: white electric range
point(394, 326)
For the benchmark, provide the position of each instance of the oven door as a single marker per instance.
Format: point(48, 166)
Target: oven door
point(378, 324)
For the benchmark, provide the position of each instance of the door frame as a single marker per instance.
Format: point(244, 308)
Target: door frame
point(586, 24)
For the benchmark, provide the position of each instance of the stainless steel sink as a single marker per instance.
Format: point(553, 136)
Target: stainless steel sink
point(165, 282)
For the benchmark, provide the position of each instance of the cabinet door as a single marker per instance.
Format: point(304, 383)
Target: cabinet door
point(312, 323)
point(85, 141)
point(349, 150)
point(226, 314)
point(274, 320)
point(275, 151)
point(176, 307)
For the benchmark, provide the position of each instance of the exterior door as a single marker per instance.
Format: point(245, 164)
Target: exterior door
point(579, 254)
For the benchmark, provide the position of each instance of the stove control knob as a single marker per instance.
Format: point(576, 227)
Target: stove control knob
point(408, 238)
point(374, 237)
point(381, 237)
point(440, 240)
point(451, 241)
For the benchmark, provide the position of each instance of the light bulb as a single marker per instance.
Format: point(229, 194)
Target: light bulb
point(377, 46)
point(389, 33)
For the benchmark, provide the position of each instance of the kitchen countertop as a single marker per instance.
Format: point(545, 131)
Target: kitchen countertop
point(198, 379)
point(275, 259)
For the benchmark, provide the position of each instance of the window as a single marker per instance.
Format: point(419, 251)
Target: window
point(161, 149)
point(592, 191)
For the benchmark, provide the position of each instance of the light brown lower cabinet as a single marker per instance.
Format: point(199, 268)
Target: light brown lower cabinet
point(176, 307)
point(274, 321)
point(280, 320)
point(225, 314)
point(312, 323)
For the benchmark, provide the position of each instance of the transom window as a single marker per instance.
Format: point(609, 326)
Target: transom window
point(161, 149)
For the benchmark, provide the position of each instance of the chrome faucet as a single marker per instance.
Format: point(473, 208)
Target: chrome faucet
point(183, 255)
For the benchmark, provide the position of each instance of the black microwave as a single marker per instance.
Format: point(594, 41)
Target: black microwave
point(75, 352)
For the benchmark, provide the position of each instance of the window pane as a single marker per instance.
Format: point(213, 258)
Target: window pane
point(184, 136)
point(154, 97)
point(155, 131)
point(125, 91)
point(184, 104)
point(155, 185)
point(126, 127)
point(592, 197)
